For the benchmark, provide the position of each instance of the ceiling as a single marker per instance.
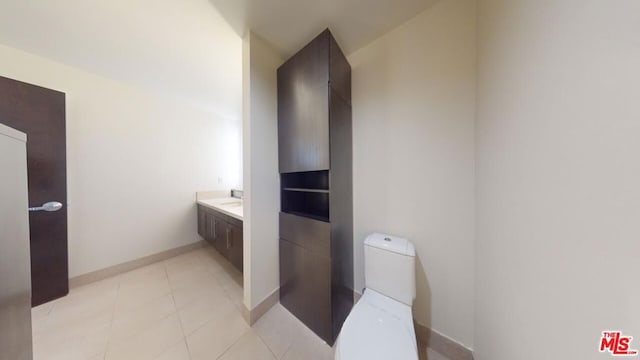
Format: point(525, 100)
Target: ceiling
point(180, 47)
point(188, 48)
point(290, 24)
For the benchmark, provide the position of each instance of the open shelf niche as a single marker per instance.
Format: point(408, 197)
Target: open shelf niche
point(306, 194)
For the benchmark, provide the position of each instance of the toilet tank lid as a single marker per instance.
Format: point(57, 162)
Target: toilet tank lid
point(391, 243)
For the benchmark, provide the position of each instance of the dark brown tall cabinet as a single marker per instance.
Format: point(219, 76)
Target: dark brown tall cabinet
point(315, 161)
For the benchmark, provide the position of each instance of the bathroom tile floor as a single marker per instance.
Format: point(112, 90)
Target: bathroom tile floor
point(184, 308)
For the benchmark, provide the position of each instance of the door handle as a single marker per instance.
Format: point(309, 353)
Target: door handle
point(50, 206)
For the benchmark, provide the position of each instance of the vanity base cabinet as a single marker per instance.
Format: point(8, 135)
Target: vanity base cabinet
point(223, 232)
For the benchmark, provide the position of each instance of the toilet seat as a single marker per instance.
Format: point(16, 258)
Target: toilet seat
point(378, 327)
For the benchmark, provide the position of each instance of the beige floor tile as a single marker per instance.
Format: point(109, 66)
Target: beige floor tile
point(185, 263)
point(104, 288)
point(38, 326)
point(149, 344)
point(143, 274)
point(44, 347)
point(187, 293)
point(230, 277)
point(63, 352)
point(80, 315)
point(41, 311)
point(195, 277)
point(204, 309)
point(249, 347)
point(39, 323)
point(138, 294)
point(237, 298)
point(214, 338)
point(129, 323)
point(86, 301)
point(308, 346)
point(278, 328)
point(184, 308)
point(231, 281)
point(64, 344)
point(93, 343)
point(177, 352)
point(430, 354)
point(212, 259)
point(61, 327)
point(186, 257)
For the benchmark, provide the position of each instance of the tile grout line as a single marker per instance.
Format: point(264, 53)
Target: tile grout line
point(230, 346)
point(173, 298)
point(51, 309)
point(113, 316)
point(137, 307)
point(235, 309)
point(187, 304)
point(269, 348)
point(284, 355)
point(221, 276)
point(226, 293)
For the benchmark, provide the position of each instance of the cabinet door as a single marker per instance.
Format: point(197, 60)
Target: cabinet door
point(208, 226)
point(305, 287)
point(303, 109)
point(235, 250)
point(202, 222)
point(222, 237)
point(215, 228)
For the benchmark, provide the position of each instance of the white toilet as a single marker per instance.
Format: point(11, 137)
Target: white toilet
point(380, 325)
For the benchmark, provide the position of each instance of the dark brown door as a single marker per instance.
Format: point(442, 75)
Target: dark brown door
point(40, 113)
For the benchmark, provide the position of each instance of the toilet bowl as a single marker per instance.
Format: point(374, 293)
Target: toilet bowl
point(380, 325)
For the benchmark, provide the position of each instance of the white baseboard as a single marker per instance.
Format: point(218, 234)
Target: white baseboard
point(451, 349)
point(118, 269)
point(251, 316)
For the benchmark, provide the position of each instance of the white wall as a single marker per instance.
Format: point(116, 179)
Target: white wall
point(183, 48)
point(135, 161)
point(558, 196)
point(413, 124)
point(261, 177)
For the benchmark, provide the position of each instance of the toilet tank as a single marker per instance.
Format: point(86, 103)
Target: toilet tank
point(389, 267)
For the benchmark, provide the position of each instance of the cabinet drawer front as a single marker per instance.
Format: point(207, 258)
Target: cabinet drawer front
point(312, 235)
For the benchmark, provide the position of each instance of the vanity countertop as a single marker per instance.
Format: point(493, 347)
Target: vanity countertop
point(228, 205)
